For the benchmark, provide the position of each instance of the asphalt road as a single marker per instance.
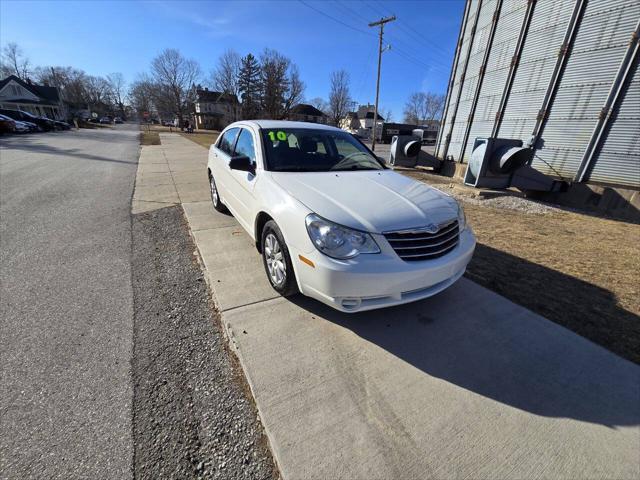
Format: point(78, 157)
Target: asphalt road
point(66, 303)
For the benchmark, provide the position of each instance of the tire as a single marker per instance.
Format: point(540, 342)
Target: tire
point(276, 260)
point(215, 196)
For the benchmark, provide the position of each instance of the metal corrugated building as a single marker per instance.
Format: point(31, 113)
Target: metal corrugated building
point(563, 73)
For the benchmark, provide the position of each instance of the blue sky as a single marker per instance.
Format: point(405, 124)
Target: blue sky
point(101, 37)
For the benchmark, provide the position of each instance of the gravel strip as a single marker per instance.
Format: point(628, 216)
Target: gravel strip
point(500, 199)
point(193, 416)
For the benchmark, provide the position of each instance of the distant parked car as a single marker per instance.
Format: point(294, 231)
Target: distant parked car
point(118, 120)
point(22, 127)
point(44, 123)
point(7, 124)
point(61, 125)
point(106, 120)
point(33, 127)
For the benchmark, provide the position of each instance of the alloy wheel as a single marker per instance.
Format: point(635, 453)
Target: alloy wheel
point(276, 264)
point(214, 192)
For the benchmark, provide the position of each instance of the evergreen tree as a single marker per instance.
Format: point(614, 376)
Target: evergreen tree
point(249, 85)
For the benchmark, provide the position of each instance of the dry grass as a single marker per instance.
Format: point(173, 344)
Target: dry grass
point(204, 138)
point(578, 270)
point(149, 138)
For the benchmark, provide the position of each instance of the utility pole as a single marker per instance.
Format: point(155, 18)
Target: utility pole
point(380, 23)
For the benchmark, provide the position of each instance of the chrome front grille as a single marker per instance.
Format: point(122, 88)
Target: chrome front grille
point(419, 244)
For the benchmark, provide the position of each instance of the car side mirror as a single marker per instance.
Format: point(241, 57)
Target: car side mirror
point(242, 163)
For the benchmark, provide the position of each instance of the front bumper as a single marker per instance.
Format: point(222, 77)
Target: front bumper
point(380, 280)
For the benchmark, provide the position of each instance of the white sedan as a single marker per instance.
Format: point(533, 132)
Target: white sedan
point(332, 221)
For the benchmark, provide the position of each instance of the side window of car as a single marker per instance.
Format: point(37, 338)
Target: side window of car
point(228, 138)
point(245, 145)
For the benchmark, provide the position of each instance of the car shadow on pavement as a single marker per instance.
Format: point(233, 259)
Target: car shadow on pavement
point(479, 341)
point(77, 153)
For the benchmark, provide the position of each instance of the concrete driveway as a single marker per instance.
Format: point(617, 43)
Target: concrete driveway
point(462, 385)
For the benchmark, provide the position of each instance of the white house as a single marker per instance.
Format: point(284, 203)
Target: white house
point(215, 110)
point(41, 100)
point(361, 121)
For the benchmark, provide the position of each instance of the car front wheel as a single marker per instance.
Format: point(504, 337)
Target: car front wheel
point(277, 262)
point(215, 196)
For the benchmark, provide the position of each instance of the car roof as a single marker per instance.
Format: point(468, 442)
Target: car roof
point(284, 124)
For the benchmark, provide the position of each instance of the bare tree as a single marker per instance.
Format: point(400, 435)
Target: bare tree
point(413, 108)
point(141, 95)
point(423, 107)
point(295, 93)
point(434, 105)
point(14, 62)
point(387, 114)
point(97, 91)
point(174, 77)
point(226, 76)
point(117, 87)
point(339, 97)
point(320, 104)
point(70, 81)
point(282, 87)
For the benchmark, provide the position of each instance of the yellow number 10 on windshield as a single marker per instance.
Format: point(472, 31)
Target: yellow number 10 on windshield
point(280, 135)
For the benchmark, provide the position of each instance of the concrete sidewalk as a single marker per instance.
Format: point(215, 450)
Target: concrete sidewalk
point(169, 179)
point(462, 385)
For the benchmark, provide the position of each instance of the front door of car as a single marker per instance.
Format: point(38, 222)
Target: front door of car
point(245, 181)
point(225, 183)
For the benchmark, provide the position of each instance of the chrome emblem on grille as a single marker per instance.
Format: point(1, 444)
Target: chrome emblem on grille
point(431, 228)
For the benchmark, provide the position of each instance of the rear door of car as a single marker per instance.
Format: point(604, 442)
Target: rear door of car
point(245, 181)
point(223, 150)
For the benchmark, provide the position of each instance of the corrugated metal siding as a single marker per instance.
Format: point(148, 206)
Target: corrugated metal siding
point(466, 35)
point(618, 161)
point(506, 37)
point(600, 44)
point(599, 47)
point(538, 60)
point(473, 72)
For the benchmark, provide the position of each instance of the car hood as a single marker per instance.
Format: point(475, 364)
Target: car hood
point(374, 201)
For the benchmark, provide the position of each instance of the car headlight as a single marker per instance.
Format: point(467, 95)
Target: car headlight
point(462, 219)
point(337, 241)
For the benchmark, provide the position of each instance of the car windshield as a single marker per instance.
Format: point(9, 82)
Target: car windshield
point(315, 150)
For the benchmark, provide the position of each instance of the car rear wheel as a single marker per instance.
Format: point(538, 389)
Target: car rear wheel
point(277, 262)
point(215, 196)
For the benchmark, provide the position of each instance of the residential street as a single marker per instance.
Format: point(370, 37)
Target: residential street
point(66, 303)
point(113, 363)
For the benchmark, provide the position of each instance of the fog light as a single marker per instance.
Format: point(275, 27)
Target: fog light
point(350, 303)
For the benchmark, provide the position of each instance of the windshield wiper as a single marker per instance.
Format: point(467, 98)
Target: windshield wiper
point(354, 167)
point(299, 169)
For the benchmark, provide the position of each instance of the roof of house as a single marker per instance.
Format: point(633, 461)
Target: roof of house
point(362, 114)
point(207, 95)
point(370, 115)
point(306, 109)
point(46, 93)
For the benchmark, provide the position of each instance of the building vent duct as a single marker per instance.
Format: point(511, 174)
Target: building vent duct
point(404, 151)
point(503, 163)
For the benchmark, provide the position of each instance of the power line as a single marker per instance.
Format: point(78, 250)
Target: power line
point(410, 31)
point(334, 19)
point(401, 53)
